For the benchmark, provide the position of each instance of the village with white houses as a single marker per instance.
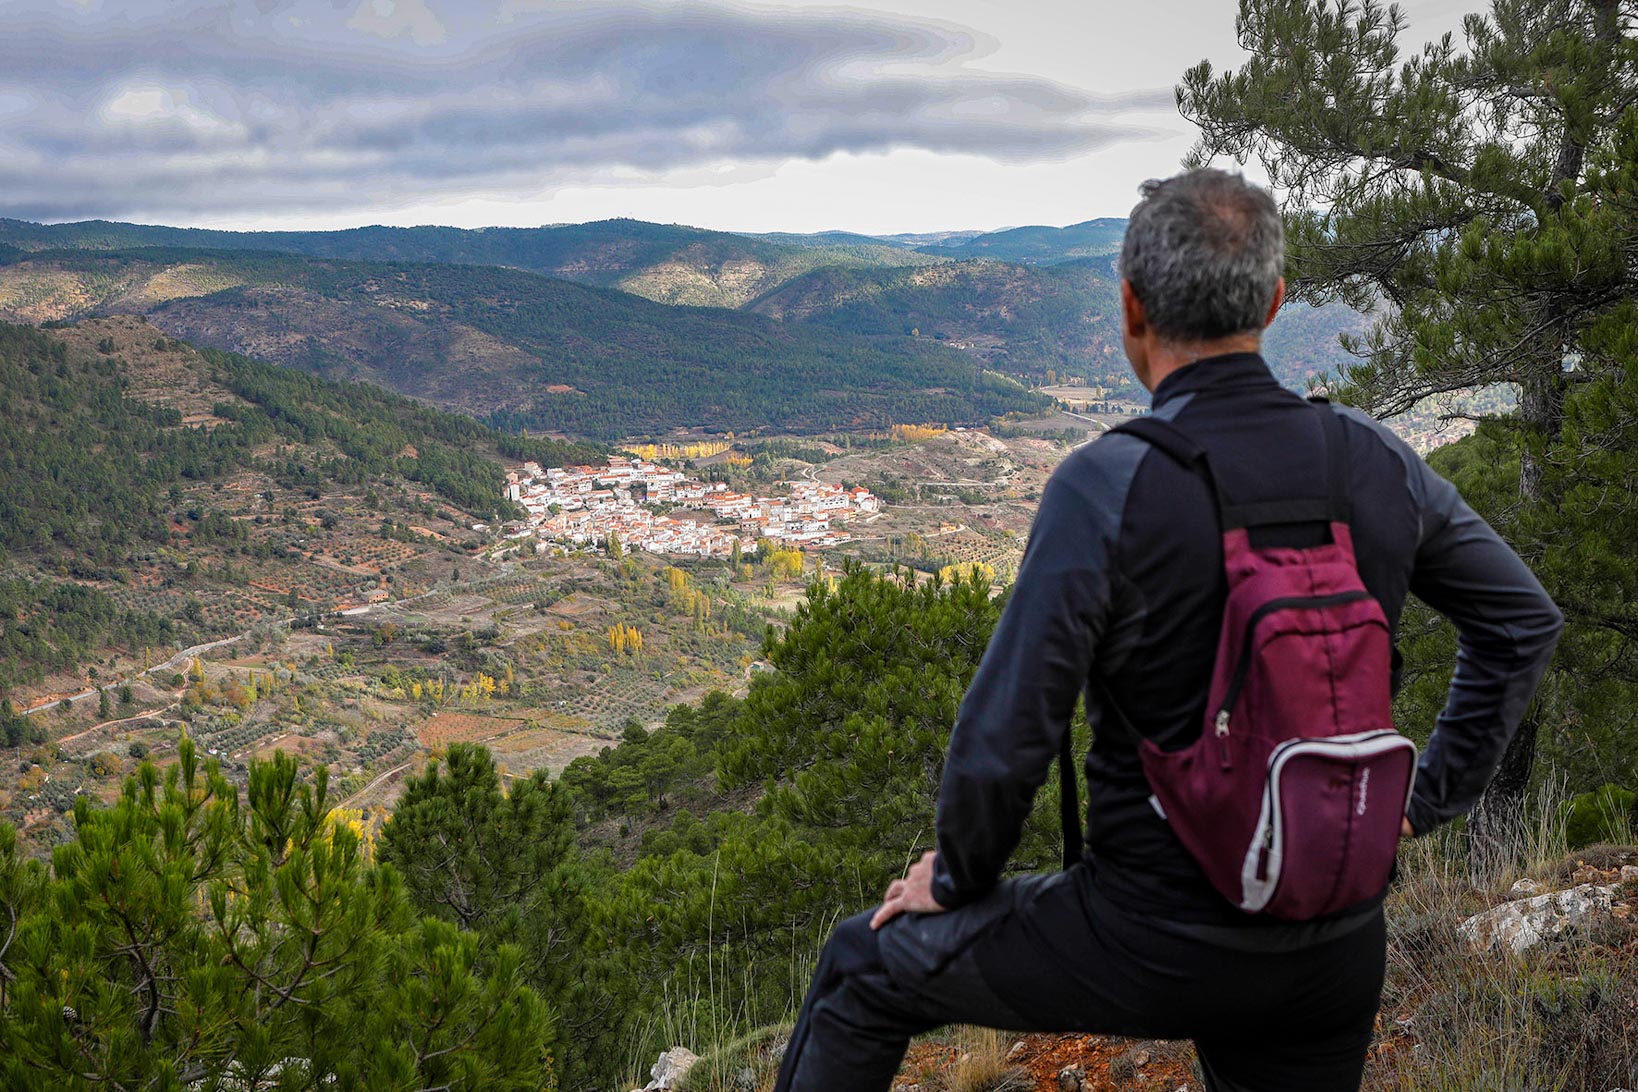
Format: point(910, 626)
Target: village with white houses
point(585, 505)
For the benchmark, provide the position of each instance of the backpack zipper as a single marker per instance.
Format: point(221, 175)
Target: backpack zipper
point(1242, 668)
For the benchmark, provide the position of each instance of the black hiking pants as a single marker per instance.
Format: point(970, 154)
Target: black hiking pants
point(1048, 953)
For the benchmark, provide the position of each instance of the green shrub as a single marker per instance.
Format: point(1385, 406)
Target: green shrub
point(1607, 814)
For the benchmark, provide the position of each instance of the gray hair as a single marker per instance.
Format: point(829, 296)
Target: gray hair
point(1203, 252)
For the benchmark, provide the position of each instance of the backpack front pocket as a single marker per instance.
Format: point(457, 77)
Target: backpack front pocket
point(1330, 823)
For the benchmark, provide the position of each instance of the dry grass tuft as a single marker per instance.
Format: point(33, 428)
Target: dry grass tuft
point(982, 1065)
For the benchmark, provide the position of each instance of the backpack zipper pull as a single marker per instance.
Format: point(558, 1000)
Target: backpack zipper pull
point(1222, 736)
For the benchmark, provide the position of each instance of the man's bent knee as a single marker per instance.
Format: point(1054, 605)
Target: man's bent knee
point(853, 949)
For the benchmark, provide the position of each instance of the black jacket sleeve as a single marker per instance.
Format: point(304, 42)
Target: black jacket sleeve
point(1507, 627)
point(1019, 704)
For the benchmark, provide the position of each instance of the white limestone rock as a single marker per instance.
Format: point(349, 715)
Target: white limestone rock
point(1523, 923)
point(669, 1071)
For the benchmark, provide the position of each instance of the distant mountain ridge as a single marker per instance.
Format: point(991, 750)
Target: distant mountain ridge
point(1034, 244)
point(1035, 302)
point(1038, 245)
point(666, 263)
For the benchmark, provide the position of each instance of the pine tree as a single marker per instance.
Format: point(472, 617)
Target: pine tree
point(188, 935)
point(1482, 196)
point(845, 740)
point(504, 866)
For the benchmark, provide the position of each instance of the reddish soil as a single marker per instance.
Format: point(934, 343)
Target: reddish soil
point(1107, 1065)
point(445, 728)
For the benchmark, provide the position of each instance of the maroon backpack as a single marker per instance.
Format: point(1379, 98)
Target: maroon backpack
point(1292, 797)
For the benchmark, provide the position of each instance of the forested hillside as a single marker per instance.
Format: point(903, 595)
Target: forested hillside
point(521, 350)
point(1036, 303)
point(1048, 323)
point(146, 489)
point(1021, 320)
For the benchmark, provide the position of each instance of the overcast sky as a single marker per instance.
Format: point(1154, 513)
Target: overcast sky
point(888, 115)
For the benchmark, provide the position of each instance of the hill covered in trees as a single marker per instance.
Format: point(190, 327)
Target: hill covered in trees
point(151, 495)
point(667, 263)
point(1048, 323)
point(521, 350)
point(1025, 302)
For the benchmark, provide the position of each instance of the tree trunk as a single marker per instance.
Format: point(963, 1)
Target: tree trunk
point(1495, 830)
point(1541, 411)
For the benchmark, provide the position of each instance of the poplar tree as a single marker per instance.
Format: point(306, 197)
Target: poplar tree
point(1478, 199)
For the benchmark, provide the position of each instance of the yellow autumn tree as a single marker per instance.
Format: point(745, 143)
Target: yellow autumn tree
point(701, 450)
point(481, 687)
point(917, 433)
point(351, 819)
point(784, 564)
point(624, 638)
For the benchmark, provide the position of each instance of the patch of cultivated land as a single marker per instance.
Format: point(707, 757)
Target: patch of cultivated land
point(964, 496)
point(517, 655)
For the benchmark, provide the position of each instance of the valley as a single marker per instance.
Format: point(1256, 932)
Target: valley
point(347, 592)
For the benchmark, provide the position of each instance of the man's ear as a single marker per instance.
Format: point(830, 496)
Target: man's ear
point(1133, 318)
point(1279, 298)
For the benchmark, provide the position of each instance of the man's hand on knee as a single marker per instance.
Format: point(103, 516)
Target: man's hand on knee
point(913, 893)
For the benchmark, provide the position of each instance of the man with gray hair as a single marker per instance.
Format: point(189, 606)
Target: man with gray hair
point(1121, 598)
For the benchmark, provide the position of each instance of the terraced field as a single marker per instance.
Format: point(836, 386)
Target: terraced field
point(442, 729)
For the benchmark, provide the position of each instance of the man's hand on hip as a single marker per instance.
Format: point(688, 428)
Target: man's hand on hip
point(913, 893)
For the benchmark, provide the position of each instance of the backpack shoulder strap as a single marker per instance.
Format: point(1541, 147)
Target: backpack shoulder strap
point(1335, 507)
point(1336, 461)
point(1167, 437)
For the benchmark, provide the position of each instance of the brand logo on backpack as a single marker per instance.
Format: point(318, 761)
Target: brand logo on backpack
point(1364, 786)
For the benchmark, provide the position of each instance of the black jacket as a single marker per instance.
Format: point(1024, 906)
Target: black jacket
point(1120, 597)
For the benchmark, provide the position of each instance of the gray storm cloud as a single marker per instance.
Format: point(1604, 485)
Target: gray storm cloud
point(191, 107)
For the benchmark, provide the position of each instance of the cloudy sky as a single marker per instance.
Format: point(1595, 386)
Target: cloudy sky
point(889, 115)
